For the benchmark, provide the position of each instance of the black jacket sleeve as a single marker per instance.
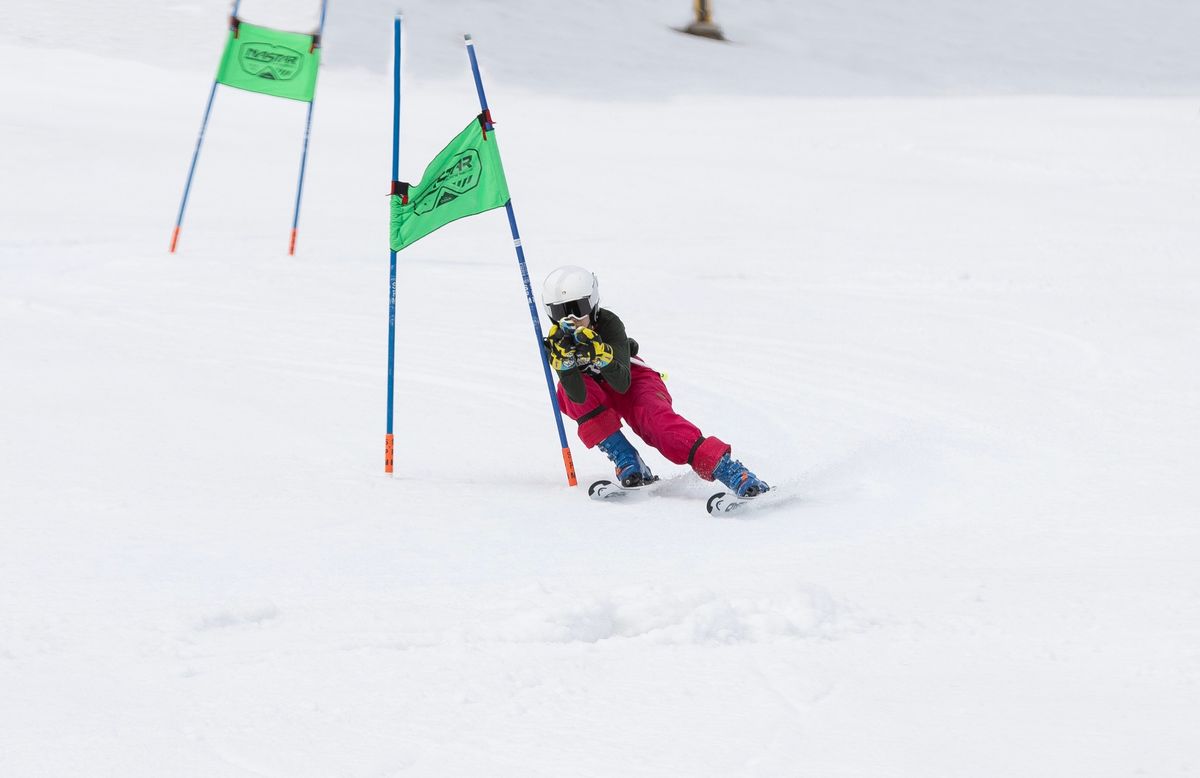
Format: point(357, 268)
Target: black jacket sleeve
point(611, 330)
point(572, 384)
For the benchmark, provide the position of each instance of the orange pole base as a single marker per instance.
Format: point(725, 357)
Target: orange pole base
point(570, 465)
point(292, 247)
point(387, 453)
point(174, 238)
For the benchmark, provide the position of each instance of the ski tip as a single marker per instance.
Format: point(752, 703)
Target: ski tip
point(596, 486)
point(605, 489)
point(729, 502)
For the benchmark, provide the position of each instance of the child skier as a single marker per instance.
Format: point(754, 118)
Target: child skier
point(601, 382)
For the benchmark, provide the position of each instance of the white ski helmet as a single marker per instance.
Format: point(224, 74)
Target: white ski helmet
point(570, 291)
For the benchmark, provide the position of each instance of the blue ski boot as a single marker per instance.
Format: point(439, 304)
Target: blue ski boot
point(631, 470)
point(734, 475)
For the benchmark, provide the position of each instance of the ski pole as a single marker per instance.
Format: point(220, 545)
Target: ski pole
point(568, 462)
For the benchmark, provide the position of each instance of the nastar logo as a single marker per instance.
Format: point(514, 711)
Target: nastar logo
point(274, 63)
point(459, 177)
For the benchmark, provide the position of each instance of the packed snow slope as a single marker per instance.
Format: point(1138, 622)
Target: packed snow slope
point(932, 271)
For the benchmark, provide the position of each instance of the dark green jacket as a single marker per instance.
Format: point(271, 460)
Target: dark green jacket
point(611, 330)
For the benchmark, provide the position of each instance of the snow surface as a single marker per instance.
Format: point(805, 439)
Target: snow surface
point(930, 268)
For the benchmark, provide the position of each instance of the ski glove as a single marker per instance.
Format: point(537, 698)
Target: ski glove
point(560, 349)
point(590, 349)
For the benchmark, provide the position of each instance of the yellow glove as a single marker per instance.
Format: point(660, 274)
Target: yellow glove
point(560, 349)
point(590, 349)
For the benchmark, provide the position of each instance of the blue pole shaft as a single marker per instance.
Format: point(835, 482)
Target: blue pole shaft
point(304, 153)
point(568, 462)
point(396, 100)
point(537, 326)
point(187, 187)
point(300, 184)
point(391, 362)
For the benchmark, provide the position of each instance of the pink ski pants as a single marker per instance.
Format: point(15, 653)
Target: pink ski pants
point(646, 408)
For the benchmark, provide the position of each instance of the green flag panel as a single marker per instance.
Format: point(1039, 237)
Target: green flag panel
point(283, 64)
point(464, 179)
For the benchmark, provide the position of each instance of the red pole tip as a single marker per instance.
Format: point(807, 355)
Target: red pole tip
point(569, 463)
point(174, 238)
point(387, 453)
point(292, 247)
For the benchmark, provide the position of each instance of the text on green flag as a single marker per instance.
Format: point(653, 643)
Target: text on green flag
point(273, 62)
point(464, 179)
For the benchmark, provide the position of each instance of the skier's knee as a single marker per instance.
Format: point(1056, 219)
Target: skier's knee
point(705, 454)
point(597, 424)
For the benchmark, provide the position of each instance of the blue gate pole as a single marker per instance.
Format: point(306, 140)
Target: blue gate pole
point(391, 365)
point(568, 462)
point(187, 188)
point(304, 154)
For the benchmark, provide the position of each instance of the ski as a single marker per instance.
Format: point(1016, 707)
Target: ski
point(728, 502)
point(608, 490)
point(718, 504)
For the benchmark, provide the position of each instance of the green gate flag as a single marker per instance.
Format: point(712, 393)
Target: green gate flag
point(464, 179)
point(273, 62)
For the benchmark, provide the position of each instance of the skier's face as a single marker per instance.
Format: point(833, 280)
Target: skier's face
point(571, 323)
